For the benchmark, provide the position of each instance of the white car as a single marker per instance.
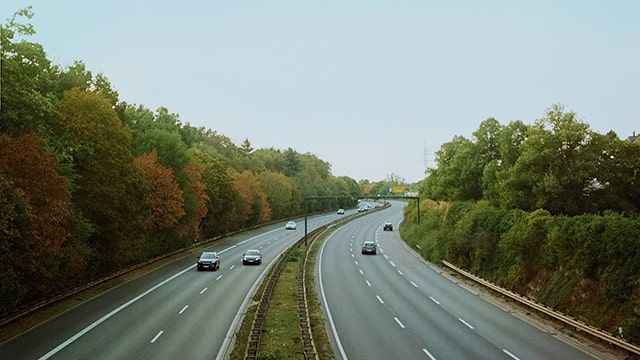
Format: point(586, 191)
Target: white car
point(291, 225)
point(340, 211)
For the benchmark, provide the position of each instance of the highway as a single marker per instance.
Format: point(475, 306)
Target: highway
point(174, 312)
point(394, 305)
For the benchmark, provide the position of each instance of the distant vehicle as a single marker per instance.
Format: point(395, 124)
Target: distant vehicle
point(208, 260)
point(387, 227)
point(369, 247)
point(362, 209)
point(340, 211)
point(291, 225)
point(252, 256)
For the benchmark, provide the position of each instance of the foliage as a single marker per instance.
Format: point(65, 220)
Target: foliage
point(587, 266)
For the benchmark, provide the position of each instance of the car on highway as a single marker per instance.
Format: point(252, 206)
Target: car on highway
point(387, 226)
point(291, 225)
point(208, 260)
point(340, 211)
point(369, 247)
point(252, 257)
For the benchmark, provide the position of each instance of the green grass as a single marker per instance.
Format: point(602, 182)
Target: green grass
point(281, 337)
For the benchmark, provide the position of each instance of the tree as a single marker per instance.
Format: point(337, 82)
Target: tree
point(557, 165)
point(251, 207)
point(35, 206)
point(107, 186)
point(282, 195)
point(27, 104)
point(162, 193)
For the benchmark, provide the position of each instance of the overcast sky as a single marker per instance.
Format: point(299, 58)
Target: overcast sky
point(373, 87)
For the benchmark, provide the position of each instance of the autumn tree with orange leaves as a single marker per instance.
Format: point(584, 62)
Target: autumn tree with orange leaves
point(34, 203)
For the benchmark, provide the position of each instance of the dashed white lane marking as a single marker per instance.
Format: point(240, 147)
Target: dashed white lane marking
point(510, 354)
point(157, 336)
point(434, 300)
point(219, 277)
point(399, 322)
point(368, 283)
point(400, 272)
point(356, 262)
point(232, 266)
point(466, 323)
point(361, 272)
point(414, 284)
point(183, 309)
point(428, 354)
point(203, 290)
point(392, 263)
point(379, 299)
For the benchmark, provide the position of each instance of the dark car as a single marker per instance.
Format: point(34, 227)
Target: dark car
point(387, 227)
point(369, 247)
point(208, 261)
point(252, 256)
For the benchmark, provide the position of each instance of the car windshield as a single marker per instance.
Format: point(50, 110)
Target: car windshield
point(253, 252)
point(208, 256)
point(368, 245)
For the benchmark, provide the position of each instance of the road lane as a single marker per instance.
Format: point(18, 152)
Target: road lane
point(171, 312)
point(395, 299)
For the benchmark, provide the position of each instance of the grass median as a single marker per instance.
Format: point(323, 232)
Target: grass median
point(281, 335)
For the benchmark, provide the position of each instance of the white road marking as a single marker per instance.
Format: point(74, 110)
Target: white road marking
point(466, 323)
point(203, 290)
point(361, 272)
point(356, 262)
point(428, 354)
point(368, 283)
point(379, 299)
point(386, 256)
point(183, 309)
point(400, 272)
point(510, 354)
point(399, 322)
point(414, 284)
point(434, 300)
point(157, 336)
point(392, 263)
point(219, 277)
point(232, 266)
point(109, 315)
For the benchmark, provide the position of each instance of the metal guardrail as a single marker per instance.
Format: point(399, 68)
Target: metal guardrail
point(308, 345)
point(578, 325)
point(253, 343)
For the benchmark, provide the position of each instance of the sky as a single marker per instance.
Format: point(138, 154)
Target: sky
point(373, 87)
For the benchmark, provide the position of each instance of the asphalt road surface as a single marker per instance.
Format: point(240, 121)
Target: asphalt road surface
point(174, 312)
point(394, 305)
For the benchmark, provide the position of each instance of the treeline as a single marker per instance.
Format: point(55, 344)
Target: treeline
point(548, 210)
point(90, 184)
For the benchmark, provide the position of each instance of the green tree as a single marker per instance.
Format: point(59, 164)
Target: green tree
point(108, 189)
point(27, 104)
point(557, 166)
